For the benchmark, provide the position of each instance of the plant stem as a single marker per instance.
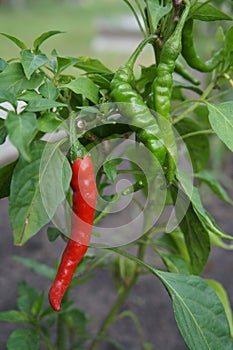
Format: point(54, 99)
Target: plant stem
point(136, 17)
point(61, 333)
point(119, 301)
point(61, 341)
point(143, 16)
point(46, 340)
point(195, 133)
point(195, 105)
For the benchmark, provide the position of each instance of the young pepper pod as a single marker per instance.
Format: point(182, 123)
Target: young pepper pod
point(132, 106)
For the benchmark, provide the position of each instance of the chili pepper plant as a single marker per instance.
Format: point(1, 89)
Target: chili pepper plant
point(80, 129)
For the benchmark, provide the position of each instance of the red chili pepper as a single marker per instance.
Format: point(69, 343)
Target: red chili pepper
point(84, 201)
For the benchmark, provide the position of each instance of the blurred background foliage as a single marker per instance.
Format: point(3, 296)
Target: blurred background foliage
point(104, 28)
point(80, 21)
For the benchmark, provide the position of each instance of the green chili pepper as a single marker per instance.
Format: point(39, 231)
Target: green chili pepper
point(190, 55)
point(183, 72)
point(132, 106)
point(162, 90)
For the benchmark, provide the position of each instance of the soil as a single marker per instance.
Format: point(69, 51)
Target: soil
point(148, 300)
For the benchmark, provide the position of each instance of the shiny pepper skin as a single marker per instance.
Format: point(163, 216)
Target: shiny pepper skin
point(190, 55)
point(84, 201)
point(162, 90)
point(132, 106)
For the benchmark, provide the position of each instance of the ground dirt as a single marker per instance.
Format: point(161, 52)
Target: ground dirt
point(148, 300)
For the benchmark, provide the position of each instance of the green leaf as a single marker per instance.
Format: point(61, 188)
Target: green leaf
point(213, 183)
point(38, 41)
point(27, 212)
point(28, 96)
point(53, 233)
point(174, 241)
point(14, 316)
point(174, 263)
point(3, 64)
point(110, 168)
point(85, 87)
point(3, 131)
point(221, 120)
point(195, 234)
point(37, 189)
point(13, 79)
point(156, 12)
point(76, 320)
point(207, 12)
point(49, 122)
point(26, 296)
point(195, 199)
point(37, 305)
point(35, 266)
point(199, 313)
point(102, 80)
point(198, 145)
point(221, 293)
point(54, 165)
point(42, 104)
point(65, 62)
point(21, 129)
point(6, 96)
point(31, 62)
point(6, 172)
point(91, 65)
point(49, 91)
point(18, 42)
point(218, 242)
point(146, 78)
point(229, 41)
point(24, 339)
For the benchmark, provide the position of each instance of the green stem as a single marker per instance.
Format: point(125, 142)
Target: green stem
point(195, 105)
point(131, 61)
point(104, 212)
point(76, 148)
point(143, 16)
point(61, 333)
point(119, 301)
point(46, 340)
point(220, 94)
point(136, 16)
point(61, 341)
point(195, 133)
